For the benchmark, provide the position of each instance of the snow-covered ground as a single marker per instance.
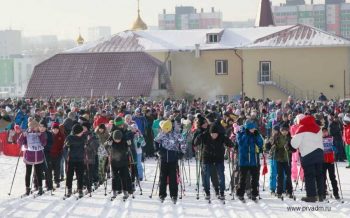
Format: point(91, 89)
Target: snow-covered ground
point(142, 206)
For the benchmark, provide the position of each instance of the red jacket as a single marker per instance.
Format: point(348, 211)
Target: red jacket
point(57, 146)
point(346, 134)
point(100, 120)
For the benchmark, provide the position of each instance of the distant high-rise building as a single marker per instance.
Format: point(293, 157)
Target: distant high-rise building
point(335, 1)
point(95, 33)
point(187, 17)
point(295, 2)
point(10, 43)
point(333, 17)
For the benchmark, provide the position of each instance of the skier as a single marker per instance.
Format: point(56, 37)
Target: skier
point(119, 163)
point(249, 144)
point(308, 138)
point(328, 164)
point(74, 145)
point(168, 145)
point(33, 142)
point(213, 144)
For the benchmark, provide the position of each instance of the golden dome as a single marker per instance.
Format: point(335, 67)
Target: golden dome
point(139, 24)
point(80, 40)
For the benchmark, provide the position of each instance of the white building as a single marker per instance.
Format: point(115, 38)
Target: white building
point(10, 43)
point(23, 69)
point(95, 33)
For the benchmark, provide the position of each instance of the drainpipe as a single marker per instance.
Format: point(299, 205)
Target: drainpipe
point(242, 80)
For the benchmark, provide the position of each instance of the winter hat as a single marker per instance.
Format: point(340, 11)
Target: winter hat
point(77, 129)
point(346, 119)
point(102, 126)
point(250, 125)
point(55, 125)
point(214, 129)
point(138, 110)
point(33, 124)
point(284, 128)
point(276, 127)
point(200, 121)
point(118, 121)
point(166, 126)
point(7, 109)
point(117, 135)
point(43, 123)
point(87, 125)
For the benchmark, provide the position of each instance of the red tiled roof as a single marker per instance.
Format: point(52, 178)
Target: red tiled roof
point(75, 75)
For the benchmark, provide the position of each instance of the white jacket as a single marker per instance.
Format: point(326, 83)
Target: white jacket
point(307, 142)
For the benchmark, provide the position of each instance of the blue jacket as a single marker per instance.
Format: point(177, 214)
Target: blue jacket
point(22, 120)
point(141, 123)
point(246, 148)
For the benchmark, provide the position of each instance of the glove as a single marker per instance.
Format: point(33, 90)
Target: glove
point(257, 149)
point(128, 142)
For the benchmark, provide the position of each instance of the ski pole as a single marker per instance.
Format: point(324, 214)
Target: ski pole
point(189, 170)
point(341, 192)
point(155, 175)
point(14, 175)
point(136, 172)
point(179, 176)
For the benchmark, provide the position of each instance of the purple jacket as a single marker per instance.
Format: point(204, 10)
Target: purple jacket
point(32, 144)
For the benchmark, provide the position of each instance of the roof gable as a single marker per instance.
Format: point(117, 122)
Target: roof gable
point(299, 36)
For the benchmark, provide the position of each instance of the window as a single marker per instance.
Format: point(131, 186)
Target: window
point(212, 38)
point(221, 67)
point(265, 71)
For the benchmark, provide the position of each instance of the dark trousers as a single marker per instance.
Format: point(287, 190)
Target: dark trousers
point(313, 176)
point(254, 172)
point(78, 168)
point(331, 173)
point(95, 176)
point(213, 178)
point(284, 173)
point(340, 154)
point(220, 168)
point(38, 174)
point(48, 171)
point(168, 170)
point(121, 179)
point(88, 176)
point(56, 168)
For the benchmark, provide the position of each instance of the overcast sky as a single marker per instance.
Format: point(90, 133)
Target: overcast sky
point(65, 17)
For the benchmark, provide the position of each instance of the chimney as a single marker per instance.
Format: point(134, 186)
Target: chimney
point(197, 52)
point(264, 17)
point(212, 9)
point(202, 11)
point(164, 11)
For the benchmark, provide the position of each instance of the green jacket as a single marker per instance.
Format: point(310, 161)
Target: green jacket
point(281, 149)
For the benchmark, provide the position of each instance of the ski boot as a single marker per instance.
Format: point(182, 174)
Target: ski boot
point(40, 191)
point(81, 194)
point(27, 191)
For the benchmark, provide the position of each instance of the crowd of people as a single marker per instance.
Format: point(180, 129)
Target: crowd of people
point(99, 139)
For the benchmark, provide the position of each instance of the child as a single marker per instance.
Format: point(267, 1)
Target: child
point(119, 162)
point(282, 152)
point(328, 164)
point(102, 135)
point(273, 163)
point(139, 143)
point(168, 146)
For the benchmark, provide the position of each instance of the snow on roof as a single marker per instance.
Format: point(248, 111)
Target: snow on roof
point(231, 38)
point(299, 36)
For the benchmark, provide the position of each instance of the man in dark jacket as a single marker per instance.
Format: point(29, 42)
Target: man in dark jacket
point(74, 145)
point(119, 162)
point(213, 150)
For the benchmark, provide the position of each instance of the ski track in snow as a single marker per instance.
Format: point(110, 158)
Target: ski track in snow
point(100, 205)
